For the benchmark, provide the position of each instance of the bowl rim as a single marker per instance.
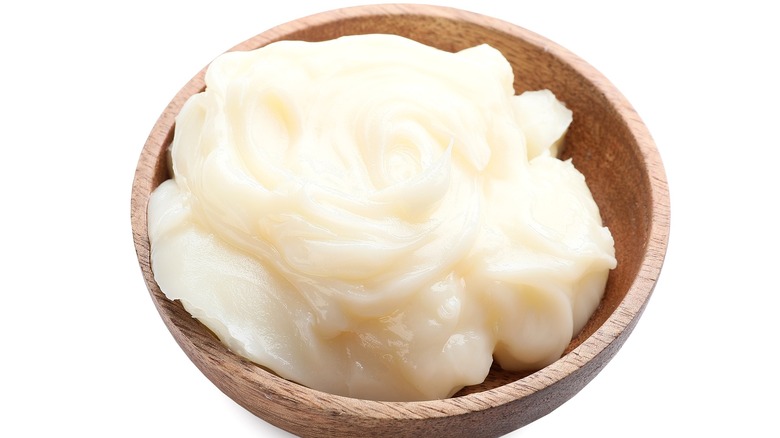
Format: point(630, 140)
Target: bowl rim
point(600, 343)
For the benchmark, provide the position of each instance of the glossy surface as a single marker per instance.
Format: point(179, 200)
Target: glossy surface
point(378, 219)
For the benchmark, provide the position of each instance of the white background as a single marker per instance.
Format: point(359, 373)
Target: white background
point(84, 352)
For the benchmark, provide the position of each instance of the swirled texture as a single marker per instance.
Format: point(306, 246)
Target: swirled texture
point(376, 218)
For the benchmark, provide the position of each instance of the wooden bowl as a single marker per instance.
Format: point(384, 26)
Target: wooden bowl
point(609, 145)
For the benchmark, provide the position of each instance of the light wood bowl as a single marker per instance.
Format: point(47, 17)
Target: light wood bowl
point(609, 145)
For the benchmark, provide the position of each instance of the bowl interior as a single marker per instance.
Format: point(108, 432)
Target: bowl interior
point(607, 143)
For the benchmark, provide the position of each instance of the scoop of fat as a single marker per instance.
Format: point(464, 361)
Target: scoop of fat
point(381, 227)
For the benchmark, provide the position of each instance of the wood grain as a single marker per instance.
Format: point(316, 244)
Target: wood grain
point(608, 143)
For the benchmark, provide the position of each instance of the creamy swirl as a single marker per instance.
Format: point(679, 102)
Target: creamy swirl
point(376, 218)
